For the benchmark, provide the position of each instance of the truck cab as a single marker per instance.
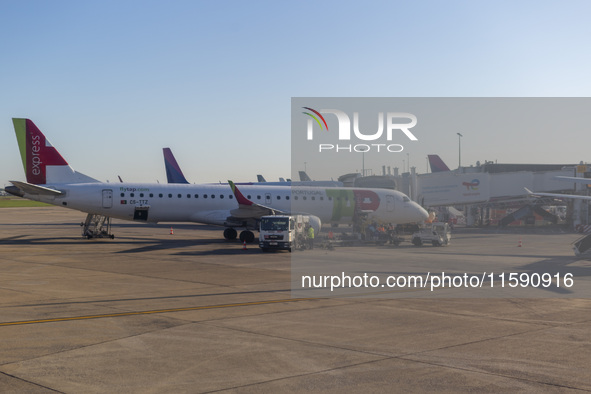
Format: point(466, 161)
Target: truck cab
point(281, 232)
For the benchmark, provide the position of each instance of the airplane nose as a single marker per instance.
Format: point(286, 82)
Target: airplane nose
point(422, 212)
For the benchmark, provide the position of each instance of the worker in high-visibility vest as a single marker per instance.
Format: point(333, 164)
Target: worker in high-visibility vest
point(310, 237)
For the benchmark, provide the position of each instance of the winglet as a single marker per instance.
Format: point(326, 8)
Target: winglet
point(536, 195)
point(239, 196)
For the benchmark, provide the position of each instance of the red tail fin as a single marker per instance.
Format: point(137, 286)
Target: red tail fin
point(42, 162)
point(437, 165)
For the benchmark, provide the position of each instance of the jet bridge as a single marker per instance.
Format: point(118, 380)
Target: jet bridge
point(526, 212)
point(582, 246)
point(465, 188)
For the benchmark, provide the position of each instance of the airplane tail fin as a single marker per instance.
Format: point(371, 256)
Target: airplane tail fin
point(437, 165)
point(261, 178)
point(304, 177)
point(42, 162)
point(173, 170)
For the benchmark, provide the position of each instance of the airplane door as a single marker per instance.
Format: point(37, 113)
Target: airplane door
point(107, 198)
point(390, 203)
point(141, 213)
point(268, 198)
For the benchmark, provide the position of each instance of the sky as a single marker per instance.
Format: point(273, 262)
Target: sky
point(111, 83)
point(505, 129)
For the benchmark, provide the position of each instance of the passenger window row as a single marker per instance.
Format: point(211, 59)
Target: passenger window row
point(230, 196)
point(179, 195)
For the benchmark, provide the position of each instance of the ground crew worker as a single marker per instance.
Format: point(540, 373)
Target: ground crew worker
point(311, 237)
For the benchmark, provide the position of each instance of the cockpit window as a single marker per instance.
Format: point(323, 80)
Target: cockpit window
point(405, 199)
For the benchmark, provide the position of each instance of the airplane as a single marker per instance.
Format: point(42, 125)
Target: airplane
point(52, 180)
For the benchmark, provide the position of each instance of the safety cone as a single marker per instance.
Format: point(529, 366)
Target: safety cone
point(171, 231)
point(244, 245)
point(519, 244)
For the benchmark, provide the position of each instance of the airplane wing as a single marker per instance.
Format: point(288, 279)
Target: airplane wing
point(575, 179)
point(248, 209)
point(29, 188)
point(557, 195)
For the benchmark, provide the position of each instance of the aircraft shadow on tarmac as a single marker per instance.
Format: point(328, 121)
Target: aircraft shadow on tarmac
point(560, 265)
point(552, 266)
point(138, 245)
point(226, 247)
point(251, 248)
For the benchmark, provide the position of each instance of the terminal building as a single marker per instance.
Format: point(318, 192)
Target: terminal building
point(491, 193)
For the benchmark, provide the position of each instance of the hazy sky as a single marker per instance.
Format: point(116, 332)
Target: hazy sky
point(503, 129)
point(111, 83)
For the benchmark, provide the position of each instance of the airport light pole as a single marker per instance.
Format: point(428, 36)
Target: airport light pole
point(363, 163)
point(459, 149)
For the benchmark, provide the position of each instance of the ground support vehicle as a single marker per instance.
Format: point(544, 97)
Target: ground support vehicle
point(438, 234)
point(283, 232)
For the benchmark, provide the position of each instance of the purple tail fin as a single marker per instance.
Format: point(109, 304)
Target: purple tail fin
point(173, 171)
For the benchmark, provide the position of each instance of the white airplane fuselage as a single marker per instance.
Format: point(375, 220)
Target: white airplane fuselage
point(211, 204)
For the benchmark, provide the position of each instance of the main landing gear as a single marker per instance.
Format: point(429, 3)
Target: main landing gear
point(230, 234)
point(246, 235)
point(97, 226)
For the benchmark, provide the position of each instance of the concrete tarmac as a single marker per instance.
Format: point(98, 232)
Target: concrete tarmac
point(150, 312)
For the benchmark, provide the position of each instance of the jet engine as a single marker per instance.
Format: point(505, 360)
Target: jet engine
point(316, 223)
